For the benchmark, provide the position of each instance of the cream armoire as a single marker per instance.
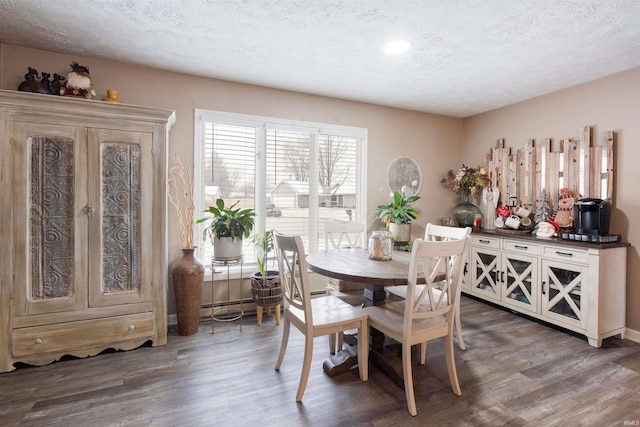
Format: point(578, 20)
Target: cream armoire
point(83, 227)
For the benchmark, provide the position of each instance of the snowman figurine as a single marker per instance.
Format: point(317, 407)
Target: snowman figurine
point(564, 214)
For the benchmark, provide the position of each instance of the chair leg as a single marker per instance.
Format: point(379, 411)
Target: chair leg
point(456, 320)
point(363, 351)
point(408, 379)
point(285, 340)
point(422, 347)
point(340, 340)
point(451, 364)
point(306, 366)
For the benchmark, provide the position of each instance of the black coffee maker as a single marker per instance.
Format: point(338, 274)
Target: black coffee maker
point(591, 217)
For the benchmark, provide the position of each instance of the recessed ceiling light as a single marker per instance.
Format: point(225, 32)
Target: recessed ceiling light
point(395, 47)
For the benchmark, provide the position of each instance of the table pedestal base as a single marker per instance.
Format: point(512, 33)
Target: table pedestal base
point(342, 362)
point(379, 355)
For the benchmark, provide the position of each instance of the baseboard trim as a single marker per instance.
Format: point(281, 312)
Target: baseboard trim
point(632, 335)
point(249, 308)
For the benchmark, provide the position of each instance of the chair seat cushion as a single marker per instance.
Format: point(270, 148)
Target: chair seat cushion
point(330, 310)
point(388, 318)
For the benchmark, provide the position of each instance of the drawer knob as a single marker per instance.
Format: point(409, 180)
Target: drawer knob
point(131, 327)
point(38, 340)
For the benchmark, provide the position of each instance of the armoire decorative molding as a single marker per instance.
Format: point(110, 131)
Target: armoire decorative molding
point(84, 226)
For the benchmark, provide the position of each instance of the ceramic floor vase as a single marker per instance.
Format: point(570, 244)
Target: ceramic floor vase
point(188, 279)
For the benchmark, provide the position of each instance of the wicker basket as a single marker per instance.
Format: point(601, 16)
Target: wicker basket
point(266, 291)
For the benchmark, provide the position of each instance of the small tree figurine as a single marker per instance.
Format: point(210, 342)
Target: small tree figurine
point(543, 209)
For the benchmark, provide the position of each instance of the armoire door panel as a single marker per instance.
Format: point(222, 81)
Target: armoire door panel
point(121, 196)
point(48, 159)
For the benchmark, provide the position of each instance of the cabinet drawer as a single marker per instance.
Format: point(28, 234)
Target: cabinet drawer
point(72, 335)
point(521, 247)
point(485, 242)
point(566, 254)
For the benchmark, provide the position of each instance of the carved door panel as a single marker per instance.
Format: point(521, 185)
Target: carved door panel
point(49, 177)
point(84, 223)
point(120, 233)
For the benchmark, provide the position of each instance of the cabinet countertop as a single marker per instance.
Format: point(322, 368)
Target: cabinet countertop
point(549, 240)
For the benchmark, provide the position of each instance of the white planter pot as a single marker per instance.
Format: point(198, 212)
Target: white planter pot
point(224, 248)
point(400, 232)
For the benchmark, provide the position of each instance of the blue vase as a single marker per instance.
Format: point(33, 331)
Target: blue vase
point(465, 211)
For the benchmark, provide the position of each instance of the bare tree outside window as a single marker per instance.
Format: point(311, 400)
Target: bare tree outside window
point(224, 178)
point(298, 160)
point(333, 172)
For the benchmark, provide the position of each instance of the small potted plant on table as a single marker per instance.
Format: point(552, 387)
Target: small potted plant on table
point(398, 214)
point(265, 284)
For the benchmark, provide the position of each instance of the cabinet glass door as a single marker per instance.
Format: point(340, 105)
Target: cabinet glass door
point(484, 269)
point(562, 292)
point(520, 275)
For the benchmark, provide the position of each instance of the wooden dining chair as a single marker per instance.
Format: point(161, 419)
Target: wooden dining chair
point(422, 316)
point(340, 235)
point(315, 317)
point(440, 233)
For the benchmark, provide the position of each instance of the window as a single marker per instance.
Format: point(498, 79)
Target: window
point(296, 175)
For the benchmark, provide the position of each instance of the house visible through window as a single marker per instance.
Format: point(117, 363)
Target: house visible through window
point(296, 175)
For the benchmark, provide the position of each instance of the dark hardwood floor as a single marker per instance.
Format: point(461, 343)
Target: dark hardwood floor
point(515, 372)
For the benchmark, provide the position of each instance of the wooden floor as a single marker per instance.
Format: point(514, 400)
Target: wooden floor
point(515, 372)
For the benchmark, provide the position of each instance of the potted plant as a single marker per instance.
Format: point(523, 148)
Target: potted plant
point(227, 227)
point(398, 214)
point(265, 284)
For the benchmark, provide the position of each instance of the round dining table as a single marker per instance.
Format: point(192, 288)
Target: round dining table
point(354, 265)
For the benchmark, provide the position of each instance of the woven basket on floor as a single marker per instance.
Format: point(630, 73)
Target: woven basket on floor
point(266, 291)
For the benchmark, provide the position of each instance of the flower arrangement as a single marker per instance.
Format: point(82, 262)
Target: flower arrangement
point(179, 192)
point(466, 180)
point(399, 210)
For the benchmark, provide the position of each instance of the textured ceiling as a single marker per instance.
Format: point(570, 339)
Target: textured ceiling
point(468, 56)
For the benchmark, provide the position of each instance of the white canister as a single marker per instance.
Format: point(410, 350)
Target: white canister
point(380, 246)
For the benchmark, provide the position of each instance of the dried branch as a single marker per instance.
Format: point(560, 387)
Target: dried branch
point(179, 192)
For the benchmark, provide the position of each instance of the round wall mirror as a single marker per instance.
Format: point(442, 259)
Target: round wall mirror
point(404, 171)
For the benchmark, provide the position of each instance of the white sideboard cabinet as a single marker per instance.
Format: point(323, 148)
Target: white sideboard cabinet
point(574, 285)
point(83, 187)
